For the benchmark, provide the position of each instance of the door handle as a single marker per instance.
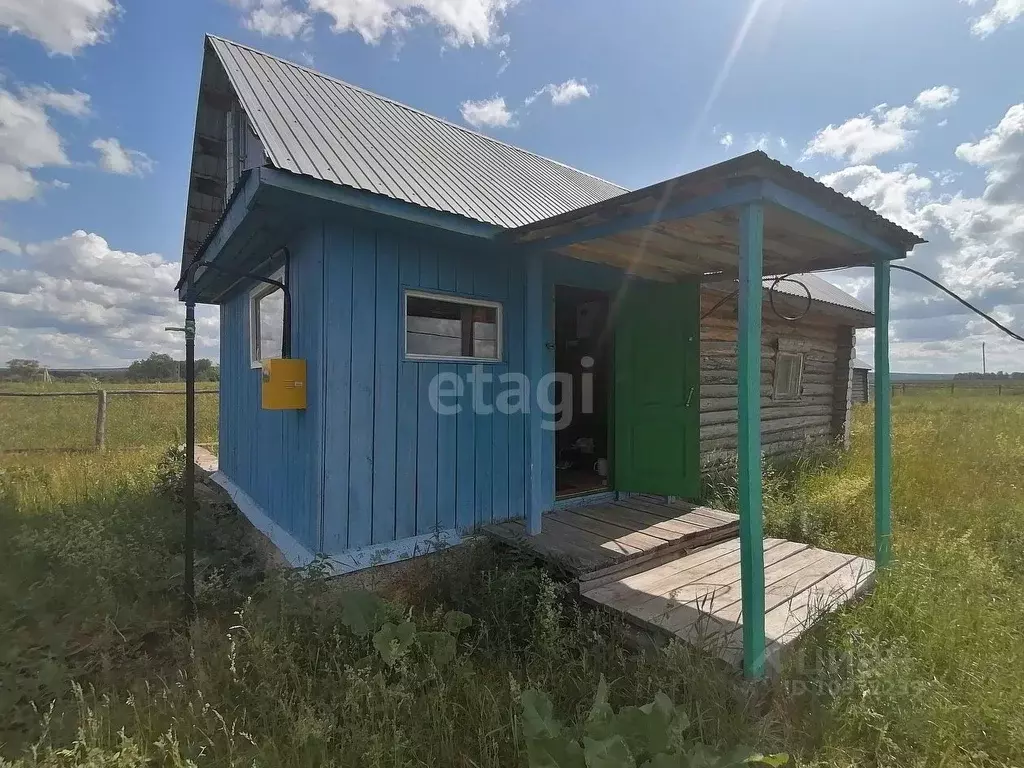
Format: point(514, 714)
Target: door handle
point(689, 397)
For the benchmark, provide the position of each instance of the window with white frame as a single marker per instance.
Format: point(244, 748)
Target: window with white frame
point(266, 321)
point(789, 374)
point(444, 327)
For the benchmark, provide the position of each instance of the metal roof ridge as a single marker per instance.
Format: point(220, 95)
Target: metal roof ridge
point(415, 110)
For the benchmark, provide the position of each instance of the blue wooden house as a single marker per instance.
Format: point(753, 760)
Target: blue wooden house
point(488, 334)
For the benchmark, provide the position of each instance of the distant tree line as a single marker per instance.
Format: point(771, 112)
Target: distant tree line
point(157, 367)
point(998, 376)
point(160, 367)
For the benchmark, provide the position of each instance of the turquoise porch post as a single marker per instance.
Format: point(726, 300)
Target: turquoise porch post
point(883, 418)
point(749, 449)
point(534, 371)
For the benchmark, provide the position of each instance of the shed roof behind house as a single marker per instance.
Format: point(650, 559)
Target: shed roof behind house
point(821, 290)
point(859, 364)
point(319, 126)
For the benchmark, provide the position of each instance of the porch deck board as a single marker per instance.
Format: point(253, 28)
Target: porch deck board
point(592, 541)
point(696, 598)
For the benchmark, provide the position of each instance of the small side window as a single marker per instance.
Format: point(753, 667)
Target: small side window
point(789, 374)
point(266, 322)
point(451, 328)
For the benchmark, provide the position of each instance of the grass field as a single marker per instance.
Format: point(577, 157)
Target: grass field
point(97, 667)
point(69, 422)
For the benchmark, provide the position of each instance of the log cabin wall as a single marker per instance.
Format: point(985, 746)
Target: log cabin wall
point(815, 420)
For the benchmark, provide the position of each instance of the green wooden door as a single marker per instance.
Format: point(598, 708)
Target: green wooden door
point(657, 390)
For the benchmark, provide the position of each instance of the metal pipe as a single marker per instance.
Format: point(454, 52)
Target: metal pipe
point(190, 457)
point(190, 402)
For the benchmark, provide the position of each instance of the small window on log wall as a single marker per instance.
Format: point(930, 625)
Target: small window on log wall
point(789, 374)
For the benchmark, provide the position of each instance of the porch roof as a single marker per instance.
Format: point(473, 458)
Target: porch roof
point(689, 225)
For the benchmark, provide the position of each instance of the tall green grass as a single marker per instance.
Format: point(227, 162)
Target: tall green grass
point(938, 676)
point(98, 668)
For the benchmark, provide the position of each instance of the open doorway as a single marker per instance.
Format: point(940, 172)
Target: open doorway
point(584, 357)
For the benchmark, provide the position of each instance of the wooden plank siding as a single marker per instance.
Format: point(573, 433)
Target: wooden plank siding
point(394, 467)
point(859, 389)
point(276, 456)
point(814, 420)
point(842, 391)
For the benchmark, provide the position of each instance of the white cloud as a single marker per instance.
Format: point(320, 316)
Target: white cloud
point(939, 97)
point(759, 142)
point(898, 195)
point(885, 129)
point(27, 138)
point(487, 113)
point(9, 246)
point(976, 249)
point(117, 159)
point(1001, 154)
point(62, 26)
point(273, 18)
point(726, 140)
point(462, 22)
point(74, 103)
point(1000, 13)
point(562, 93)
point(17, 183)
point(77, 301)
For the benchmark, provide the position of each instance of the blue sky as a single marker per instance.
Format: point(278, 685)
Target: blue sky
point(97, 103)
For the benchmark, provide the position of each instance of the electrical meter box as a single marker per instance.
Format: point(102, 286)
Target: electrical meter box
point(284, 384)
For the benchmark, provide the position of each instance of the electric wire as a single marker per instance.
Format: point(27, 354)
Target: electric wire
point(771, 299)
point(944, 289)
point(810, 300)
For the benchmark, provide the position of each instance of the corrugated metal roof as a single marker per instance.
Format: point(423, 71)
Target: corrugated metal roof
point(820, 289)
point(319, 126)
point(858, 363)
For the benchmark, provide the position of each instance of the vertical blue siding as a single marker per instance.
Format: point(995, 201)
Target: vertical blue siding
point(515, 335)
point(409, 407)
point(394, 468)
point(338, 261)
point(362, 368)
point(447, 434)
point(370, 461)
point(385, 400)
point(465, 420)
point(435, 486)
point(275, 456)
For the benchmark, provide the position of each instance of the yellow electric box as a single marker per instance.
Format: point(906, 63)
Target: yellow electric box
point(284, 384)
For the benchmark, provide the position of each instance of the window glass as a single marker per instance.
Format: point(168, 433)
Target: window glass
point(789, 369)
point(267, 324)
point(453, 328)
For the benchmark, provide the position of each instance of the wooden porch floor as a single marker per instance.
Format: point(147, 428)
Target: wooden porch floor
point(633, 533)
point(696, 598)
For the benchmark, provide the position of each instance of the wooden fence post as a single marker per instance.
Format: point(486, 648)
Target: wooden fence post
point(101, 419)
